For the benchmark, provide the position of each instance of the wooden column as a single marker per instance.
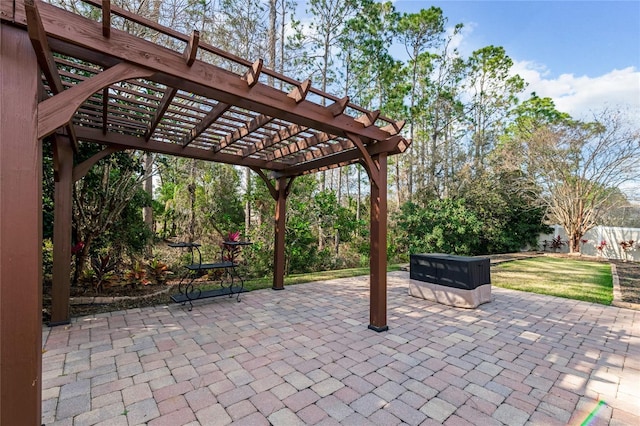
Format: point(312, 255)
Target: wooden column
point(282, 189)
point(61, 287)
point(378, 245)
point(20, 232)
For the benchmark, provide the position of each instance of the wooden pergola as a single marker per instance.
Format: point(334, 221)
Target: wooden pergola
point(73, 79)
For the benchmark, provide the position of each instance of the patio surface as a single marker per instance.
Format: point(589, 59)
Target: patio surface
point(305, 356)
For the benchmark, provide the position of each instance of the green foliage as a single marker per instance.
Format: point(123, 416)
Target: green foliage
point(103, 268)
point(509, 221)
point(137, 275)
point(441, 226)
point(128, 234)
point(47, 258)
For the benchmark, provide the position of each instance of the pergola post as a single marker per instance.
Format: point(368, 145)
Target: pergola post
point(20, 232)
point(282, 190)
point(61, 286)
point(378, 245)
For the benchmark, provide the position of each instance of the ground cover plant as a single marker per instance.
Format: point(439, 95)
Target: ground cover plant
point(562, 277)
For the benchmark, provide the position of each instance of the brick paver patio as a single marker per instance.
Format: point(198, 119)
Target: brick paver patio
point(305, 356)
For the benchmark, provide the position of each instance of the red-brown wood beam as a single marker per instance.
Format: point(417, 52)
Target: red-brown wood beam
point(338, 107)
point(106, 18)
point(253, 73)
point(299, 92)
point(366, 157)
point(369, 118)
point(204, 124)
point(62, 222)
point(122, 141)
point(393, 145)
point(83, 168)
point(47, 63)
point(189, 56)
point(80, 37)
point(280, 136)
point(250, 126)
point(322, 150)
point(105, 110)
point(299, 145)
point(58, 110)
point(20, 232)
point(191, 51)
point(167, 98)
point(378, 246)
point(393, 128)
point(283, 186)
point(130, 16)
point(272, 189)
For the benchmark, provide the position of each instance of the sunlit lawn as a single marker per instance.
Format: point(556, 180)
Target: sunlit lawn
point(572, 279)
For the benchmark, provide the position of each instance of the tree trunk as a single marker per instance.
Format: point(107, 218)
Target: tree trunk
point(272, 38)
point(247, 205)
point(574, 242)
point(192, 202)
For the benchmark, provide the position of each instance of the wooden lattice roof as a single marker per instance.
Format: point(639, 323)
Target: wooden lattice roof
point(172, 93)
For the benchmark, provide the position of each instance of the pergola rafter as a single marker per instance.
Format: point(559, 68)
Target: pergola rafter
point(78, 80)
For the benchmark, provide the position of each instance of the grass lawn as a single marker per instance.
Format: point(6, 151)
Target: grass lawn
point(572, 279)
point(267, 282)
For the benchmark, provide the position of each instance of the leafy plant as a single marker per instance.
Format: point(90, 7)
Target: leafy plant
point(556, 243)
point(137, 275)
point(159, 271)
point(103, 268)
point(626, 246)
point(600, 247)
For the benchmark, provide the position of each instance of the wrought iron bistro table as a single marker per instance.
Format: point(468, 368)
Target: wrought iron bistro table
point(230, 280)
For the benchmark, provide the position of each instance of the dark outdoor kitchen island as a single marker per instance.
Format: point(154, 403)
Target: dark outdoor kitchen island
point(460, 281)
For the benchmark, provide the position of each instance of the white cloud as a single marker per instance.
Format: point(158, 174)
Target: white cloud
point(581, 96)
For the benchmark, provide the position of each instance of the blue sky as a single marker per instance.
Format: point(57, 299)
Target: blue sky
point(583, 54)
point(580, 37)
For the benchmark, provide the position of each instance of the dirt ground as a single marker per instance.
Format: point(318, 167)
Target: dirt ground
point(628, 273)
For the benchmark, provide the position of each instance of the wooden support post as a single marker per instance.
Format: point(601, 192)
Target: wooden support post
point(378, 248)
point(282, 189)
point(20, 232)
point(61, 287)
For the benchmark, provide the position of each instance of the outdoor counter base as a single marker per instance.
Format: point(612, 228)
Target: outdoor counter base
point(460, 298)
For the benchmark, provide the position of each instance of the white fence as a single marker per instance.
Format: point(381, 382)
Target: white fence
point(612, 236)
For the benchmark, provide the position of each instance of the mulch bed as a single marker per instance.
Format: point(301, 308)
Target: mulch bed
point(629, 275)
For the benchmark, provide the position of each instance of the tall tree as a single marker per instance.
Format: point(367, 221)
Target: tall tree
point(579, 167)
point(439, 115)
point(418, 32)
point(494, 93)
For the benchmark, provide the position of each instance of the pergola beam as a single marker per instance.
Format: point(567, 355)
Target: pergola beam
point(46, 62)
point(58, 110)
point(106, 18)
point(81, 37)
point(299, 145)
point(280, 136)
point(393, 145)
point(122, 141)
point(251, 126)
point(189, 56)
point(211, 117)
